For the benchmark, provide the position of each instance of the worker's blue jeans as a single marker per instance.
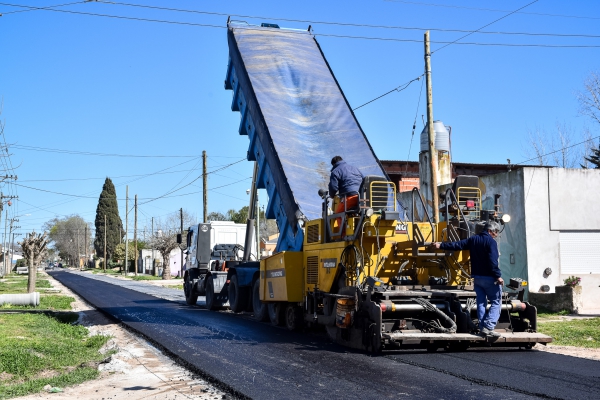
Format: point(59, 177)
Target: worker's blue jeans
point(486, 289)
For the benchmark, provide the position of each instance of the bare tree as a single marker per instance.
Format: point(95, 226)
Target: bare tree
point(537, 146)
point(563, 154)
point(34, 248)
point(165, 243)
point(553, 148)
point(589, 99)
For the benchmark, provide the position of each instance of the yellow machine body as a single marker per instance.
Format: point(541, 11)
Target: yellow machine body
point(281, 277)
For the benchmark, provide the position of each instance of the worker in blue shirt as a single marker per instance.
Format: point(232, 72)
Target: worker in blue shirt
point(345, 179)
point(486, 274)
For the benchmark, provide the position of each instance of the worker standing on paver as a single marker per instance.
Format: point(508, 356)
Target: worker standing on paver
point(486, 274)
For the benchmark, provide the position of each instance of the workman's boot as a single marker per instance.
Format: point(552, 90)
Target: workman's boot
point(485, 332)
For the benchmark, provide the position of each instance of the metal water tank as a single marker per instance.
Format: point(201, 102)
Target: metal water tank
point(442, 137)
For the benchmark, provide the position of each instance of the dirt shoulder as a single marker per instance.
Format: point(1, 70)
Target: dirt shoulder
point(137, 371)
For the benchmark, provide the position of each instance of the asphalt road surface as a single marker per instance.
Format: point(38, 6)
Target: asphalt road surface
point(255, 360)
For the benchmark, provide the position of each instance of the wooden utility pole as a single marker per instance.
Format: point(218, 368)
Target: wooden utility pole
point(432, 151)
point(180, 249)
point(135, 238)
point(204, 187)
point(105, 228)
point(86, 246)
point(126, 269)
point(78, 252)
point(154, 271)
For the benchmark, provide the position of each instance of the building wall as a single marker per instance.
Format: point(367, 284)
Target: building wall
point(512, 242)
point(545, 204)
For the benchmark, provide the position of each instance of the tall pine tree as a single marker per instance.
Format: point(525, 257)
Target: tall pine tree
point(107, 205)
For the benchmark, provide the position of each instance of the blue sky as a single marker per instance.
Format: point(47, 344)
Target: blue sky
point(90, 84)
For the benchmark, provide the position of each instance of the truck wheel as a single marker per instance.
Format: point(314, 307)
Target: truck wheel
point(191, 297)
point(238, 297)
point(294, 320)
point(211, 299)
point(276, 313)
point(261, 310)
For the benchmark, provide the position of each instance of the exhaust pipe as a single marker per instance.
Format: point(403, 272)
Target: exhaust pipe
point(22, 299)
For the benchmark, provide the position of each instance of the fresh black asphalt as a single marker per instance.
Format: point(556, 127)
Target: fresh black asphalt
point(255, 360)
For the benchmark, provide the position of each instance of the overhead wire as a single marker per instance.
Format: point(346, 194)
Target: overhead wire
point(490, 9)
point(493, 22)
point(397, 89)
point(313, 22)
point(87, 153)
point(556, 151)
point(445, 43)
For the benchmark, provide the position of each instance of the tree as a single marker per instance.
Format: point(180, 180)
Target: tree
point(165, 244)
point(68, 237)
point(589, 99)
point(34, 247)
point(107, 206)
point(594, 157)
point(119, 253)
point(239, 217)
point(216, 216)
point(553, 147)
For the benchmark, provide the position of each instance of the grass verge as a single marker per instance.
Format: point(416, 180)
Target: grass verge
point(574, 332)
point(37, 350)
point(16, 284)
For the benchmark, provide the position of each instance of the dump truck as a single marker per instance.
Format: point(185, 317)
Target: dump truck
point(211, 250)
point(368, 276)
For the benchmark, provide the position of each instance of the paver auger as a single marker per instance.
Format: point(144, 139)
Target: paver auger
point(374, 281)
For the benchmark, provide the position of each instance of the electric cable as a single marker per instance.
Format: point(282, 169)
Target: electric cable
point(493, 22)
point(314, 22)
point(87, 153)
point(490, 9)
point(397, 89)
point(319, 34)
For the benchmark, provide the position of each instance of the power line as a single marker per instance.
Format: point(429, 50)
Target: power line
point(104, 177)
point(42, 8)
point(490, 9)
point(317, 34)
point(556, 151)
point(493, 22)
point(397, 89)
point(187, 184)
point(313, 22)
point(87, 153)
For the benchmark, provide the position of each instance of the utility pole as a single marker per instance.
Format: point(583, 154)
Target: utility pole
point(78, 252)
point(86, 246)
point(432, 151)
point(180, 250)
point(135, 238)
point(126, 269)
point(152, 240)
point(204, 187)
point(4, 241)
point(105, 227)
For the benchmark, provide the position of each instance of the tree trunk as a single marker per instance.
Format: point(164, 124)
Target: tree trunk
point(166, 267)
point(32, 276)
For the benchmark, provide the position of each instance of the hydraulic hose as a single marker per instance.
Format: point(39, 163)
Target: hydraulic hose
point(446, 319)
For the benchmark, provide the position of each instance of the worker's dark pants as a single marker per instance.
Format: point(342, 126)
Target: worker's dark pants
point(486, 289)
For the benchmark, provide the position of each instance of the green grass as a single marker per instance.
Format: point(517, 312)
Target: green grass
point(108, 271)
point(37, 350)
point(18, 284)
point(576, 332)
point(546, 314)
point(175, 286)
point(145, 278)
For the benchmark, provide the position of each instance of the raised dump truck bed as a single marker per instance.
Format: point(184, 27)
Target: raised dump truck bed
point(296, 117)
